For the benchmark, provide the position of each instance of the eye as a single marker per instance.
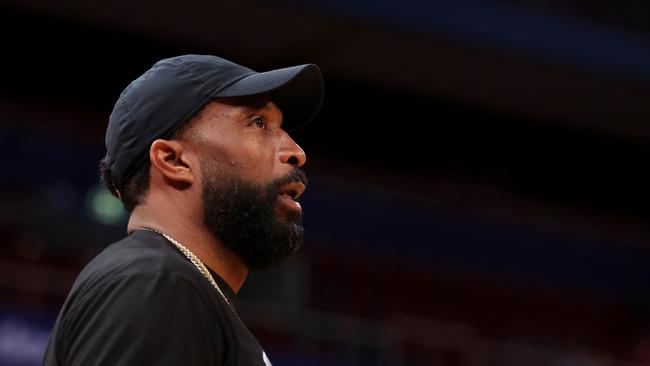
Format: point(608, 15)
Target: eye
point(259, 122)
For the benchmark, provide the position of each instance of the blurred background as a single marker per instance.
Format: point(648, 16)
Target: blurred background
point(478, 195)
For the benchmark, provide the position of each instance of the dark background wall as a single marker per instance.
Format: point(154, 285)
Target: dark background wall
point(478, 174)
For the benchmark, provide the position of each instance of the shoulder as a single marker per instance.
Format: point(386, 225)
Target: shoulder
point(142, 252)
point(141, 286)
point(139, 256)
point(143, 268)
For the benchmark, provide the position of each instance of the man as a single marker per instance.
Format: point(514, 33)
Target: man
point(197, 150)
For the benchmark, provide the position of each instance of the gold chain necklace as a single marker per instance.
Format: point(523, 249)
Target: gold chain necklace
point(198, 264)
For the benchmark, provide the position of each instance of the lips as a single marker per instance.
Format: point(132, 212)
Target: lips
point(293, 190)
point(288, 195)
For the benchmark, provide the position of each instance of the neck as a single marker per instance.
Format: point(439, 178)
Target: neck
point(197, 239)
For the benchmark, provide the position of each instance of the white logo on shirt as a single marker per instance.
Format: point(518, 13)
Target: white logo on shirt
point(266, 359)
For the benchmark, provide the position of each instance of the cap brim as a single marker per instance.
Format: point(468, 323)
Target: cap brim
point(297, 91)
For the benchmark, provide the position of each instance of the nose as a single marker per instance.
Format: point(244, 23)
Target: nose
point(291, 153)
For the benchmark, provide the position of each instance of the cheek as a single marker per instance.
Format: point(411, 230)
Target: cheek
point(253, 160)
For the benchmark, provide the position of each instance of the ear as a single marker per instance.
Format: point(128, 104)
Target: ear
point(172, 160)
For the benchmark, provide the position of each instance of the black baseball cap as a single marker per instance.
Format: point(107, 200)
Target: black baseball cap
point(166, 96)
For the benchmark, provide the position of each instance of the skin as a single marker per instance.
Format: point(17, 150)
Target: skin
point(239, 135)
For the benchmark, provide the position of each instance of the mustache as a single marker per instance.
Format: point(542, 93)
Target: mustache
point(296, 175)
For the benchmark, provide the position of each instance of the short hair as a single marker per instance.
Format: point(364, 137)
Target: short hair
point(136, 186)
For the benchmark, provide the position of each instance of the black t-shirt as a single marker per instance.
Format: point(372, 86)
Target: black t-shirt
point(142, 302)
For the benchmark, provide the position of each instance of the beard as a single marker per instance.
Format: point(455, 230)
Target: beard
point(242, 216)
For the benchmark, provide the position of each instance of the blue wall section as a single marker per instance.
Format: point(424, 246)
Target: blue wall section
point(382, 224)
point(590, 48)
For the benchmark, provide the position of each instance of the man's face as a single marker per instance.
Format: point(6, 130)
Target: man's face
point(250, 179)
